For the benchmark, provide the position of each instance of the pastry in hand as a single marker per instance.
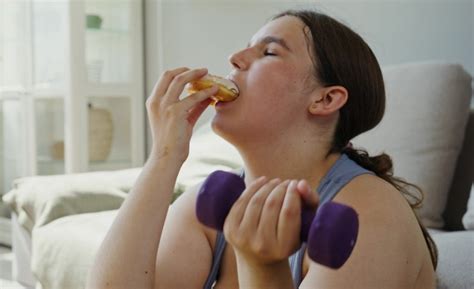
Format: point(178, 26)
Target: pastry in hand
point(228, 91)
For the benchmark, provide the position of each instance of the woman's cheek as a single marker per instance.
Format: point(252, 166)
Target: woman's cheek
point(273, 81)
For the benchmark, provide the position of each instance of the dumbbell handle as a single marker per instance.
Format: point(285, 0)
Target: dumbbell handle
point(330, 233)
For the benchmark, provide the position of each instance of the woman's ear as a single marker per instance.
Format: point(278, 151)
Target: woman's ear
point(328, 100)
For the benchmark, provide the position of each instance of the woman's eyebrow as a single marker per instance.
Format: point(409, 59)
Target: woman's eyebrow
point(273, 39)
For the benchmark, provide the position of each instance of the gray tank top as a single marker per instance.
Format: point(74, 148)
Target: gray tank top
point(341, 173)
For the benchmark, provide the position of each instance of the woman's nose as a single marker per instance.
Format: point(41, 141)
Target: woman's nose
point(238, 60)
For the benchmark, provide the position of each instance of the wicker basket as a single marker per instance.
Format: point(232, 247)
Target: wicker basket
point(101, 130)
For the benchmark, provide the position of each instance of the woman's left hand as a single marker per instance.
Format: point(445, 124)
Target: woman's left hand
point(264, 224)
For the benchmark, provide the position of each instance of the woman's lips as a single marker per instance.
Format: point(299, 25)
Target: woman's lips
point(233, 80)
point(228, 77)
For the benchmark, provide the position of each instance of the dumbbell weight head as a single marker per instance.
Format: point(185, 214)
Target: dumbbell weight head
point(216, 196)
point(330, 235)
point(333, 234)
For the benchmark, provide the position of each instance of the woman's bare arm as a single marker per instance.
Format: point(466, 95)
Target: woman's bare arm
point(126, 258)
point(185, 255)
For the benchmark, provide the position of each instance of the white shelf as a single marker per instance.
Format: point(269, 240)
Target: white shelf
point(54, 71)
point(93, 31)
point(5, 231)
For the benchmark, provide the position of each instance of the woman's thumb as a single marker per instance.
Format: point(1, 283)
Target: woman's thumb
point(310, 198)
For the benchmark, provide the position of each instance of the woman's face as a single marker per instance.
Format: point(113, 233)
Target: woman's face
point(272, 74)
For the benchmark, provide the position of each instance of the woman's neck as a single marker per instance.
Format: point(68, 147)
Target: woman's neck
point(287, 161)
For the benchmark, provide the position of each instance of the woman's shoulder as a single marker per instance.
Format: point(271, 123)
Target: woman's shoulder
point(371, 191)
point(383, 210)
point(380, 205)
point(390, 246)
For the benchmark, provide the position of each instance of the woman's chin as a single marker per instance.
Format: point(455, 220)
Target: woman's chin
point(217, 124)
point(225, 128)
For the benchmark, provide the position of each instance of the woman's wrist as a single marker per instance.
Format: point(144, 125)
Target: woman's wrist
point(255, 275)
point(167, 155)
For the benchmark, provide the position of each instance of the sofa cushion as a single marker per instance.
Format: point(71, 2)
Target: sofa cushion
point(64, 250)
point(423, 128)
point(455, 259)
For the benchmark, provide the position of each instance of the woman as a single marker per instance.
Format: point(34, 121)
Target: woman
point(308, 85)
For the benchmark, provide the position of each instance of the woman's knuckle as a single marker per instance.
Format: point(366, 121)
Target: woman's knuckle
point(151, 104)
point(168, 74)
point(148, 103)
point(261, 248)
point(257, 201)
point(271, 203)
point(289, 212)
point(238, 240)
point(237, 203)
point(180, 78)
point(170, 111)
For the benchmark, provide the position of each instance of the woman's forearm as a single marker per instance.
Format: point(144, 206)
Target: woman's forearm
point(126, 258)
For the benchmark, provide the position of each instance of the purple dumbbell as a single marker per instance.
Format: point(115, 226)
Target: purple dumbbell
point(331, 233)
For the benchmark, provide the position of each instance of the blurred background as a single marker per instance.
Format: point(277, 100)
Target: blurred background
point(74, 74)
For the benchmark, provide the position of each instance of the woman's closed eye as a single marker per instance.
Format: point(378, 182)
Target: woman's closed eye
point(269, 52)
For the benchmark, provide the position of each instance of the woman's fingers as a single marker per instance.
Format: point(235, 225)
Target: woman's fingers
point(195, 112)
point(237, 210)
point(310, 197)
point(255, 206)
point(271, 210)
point(192, 100)
point(178, 83)
point(289, 221)
point(165, 80)
point(265, 222)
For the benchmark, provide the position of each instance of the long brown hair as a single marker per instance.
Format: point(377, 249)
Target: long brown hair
point(341, 57)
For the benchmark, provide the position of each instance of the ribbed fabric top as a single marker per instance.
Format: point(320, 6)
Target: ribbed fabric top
point(341, 173)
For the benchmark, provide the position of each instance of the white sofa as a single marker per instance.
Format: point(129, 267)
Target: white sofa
point(59, 221)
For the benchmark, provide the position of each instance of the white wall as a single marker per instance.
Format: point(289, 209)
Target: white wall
point(203, 33)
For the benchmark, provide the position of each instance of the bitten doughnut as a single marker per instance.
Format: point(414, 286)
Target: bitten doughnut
point(228, 91)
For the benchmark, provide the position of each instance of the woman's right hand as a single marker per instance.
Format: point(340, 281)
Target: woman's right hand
point(172, 120)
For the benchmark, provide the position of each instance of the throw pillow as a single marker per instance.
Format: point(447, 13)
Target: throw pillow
point(423, 128)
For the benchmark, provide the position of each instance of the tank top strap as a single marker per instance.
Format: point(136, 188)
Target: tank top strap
point(296, 265)
point(216, 261)
point(341, 173)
